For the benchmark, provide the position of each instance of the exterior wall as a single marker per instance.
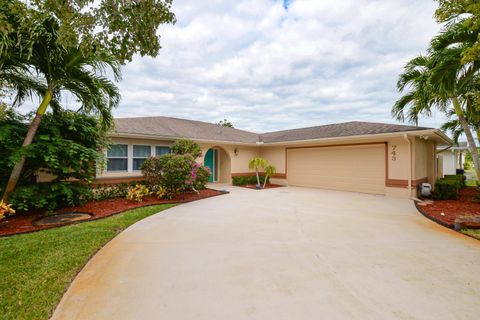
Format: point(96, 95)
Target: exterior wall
point(130, 173)
point(400, 158)
point(421, 155)
point(449, 162)
point(276, 156)
point(239, 161)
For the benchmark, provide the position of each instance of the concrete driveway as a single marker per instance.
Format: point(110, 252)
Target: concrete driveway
point(287, 253)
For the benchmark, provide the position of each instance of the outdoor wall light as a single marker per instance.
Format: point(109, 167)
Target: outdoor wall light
point(235, 151)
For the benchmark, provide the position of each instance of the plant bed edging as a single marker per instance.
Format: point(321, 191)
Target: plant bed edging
point(440, 222)
point(27, 227)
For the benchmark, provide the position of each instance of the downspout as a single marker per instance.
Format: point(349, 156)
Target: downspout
point(405, 136)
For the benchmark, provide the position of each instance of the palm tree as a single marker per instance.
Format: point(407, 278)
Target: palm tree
point(420, 97)
point(49, 71)
point(452, 79)
point(439, 80)
point(270, 170)
point(257, 163)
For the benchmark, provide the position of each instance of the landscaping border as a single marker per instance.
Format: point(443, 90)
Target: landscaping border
point(426, 215)
point(46, 227)
point(443, 224)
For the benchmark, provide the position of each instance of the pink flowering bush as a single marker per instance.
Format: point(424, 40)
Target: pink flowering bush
point(174, 173)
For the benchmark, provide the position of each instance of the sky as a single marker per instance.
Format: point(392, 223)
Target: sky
point(269, 65)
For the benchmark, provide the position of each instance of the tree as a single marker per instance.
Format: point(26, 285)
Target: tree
point(226, 123)
point(463, 14)
point(257, 163)
point(270, 170)
point(112, 28)
point(53, 69)
point(439, 80)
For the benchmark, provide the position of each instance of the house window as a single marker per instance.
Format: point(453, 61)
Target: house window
point(117, 158)
point(160, 151)
point(140, 154)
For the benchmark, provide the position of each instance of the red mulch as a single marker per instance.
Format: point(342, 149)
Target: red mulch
point(267, 186)
point(22, 222)
point(452, 209)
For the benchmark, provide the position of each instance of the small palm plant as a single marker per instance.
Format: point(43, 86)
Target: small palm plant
point(257, 163)
point(270, 170)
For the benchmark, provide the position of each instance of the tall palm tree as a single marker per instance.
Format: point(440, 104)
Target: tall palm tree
point(441, 80)
point(452, 79)
point(49, 71)
point(420, 97)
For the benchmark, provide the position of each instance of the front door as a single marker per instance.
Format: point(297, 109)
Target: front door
point(211, 162)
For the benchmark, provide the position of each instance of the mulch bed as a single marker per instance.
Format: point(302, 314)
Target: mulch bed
point(446, 212)
point(268, 186)
point(23, 222)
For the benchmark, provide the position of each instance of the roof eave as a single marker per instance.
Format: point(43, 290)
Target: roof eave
point(437, 132)
point(157, 137)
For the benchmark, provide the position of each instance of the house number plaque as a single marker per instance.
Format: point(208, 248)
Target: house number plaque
point(394, 153)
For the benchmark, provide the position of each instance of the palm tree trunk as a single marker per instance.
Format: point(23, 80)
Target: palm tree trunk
point(258, 178)
point(265, 181)
point(32, 130)
point(477, 132)
point(468, 133)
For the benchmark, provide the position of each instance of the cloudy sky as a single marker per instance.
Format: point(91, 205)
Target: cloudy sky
point(268, 65)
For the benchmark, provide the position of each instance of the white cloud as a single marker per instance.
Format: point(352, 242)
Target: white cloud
point(267, 68)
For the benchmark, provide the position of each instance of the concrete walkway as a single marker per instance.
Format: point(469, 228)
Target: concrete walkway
point(287, 253)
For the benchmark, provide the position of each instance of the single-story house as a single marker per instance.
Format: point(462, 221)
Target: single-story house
point(451, 159)
point(377, 158)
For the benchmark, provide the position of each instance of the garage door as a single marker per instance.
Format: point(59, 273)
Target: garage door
point(353, 168)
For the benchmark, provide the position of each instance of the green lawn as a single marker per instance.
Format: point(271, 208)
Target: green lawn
point(37, 268)
point(472, 232)
point(472, 182)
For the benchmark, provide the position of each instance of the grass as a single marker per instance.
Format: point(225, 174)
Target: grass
point(472, 232)
point(37, 268)
point(472, 182)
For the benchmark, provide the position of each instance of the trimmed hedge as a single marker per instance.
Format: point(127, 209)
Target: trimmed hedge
point(447, 188)
point(458, 177)
point(243, 180)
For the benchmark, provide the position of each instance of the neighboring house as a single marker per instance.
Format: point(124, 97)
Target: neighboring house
point(375, 158)
point(451, 159)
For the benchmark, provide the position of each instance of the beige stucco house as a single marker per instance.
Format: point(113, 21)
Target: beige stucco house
point(377, 158)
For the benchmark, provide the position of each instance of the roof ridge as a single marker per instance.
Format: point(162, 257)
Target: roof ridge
point(344, 123)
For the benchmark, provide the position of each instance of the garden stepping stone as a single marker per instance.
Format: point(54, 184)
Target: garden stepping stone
point(62, 218)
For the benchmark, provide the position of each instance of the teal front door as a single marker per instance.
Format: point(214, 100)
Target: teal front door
point(210, 162)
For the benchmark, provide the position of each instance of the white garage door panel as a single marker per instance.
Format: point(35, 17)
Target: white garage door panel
point(354, 168)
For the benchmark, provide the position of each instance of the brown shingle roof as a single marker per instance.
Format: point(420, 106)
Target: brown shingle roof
point(181, 128)
point(346, 129)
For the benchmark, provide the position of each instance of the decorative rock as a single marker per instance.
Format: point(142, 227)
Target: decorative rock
point(62, 218)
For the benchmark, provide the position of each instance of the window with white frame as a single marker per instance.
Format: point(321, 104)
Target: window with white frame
point(161, 150)
point(117, 158)
point(140, 154)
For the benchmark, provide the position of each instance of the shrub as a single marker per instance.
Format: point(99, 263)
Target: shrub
point(168, 194)
point(186, 146)
point(243, 180)
point(457, 177)
point(138, 192)
point(152, 170)
point(201, 174)
point(446, 189)
point(67, 145)
point(5, 210)
point(104, 192)
point(50, 196)
point(175, 173)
